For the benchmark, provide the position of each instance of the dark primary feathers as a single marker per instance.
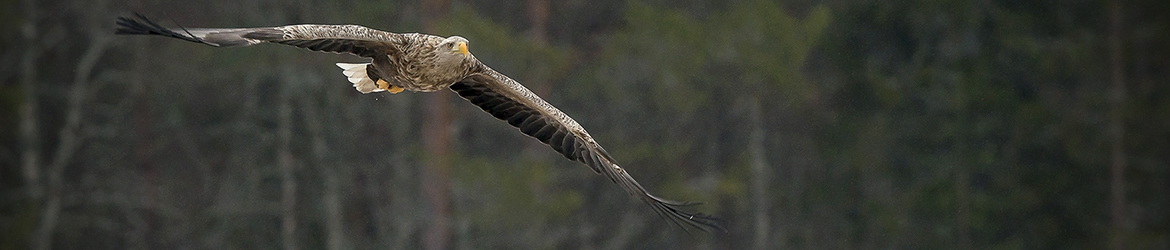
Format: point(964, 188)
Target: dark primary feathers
point(507, 100)
point(491, 91)
point(352, 39)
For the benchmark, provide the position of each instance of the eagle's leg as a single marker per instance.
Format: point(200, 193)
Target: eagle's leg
point(382, 84)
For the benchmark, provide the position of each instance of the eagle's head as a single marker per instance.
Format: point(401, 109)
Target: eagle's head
point(452, 49)
point(452, 55)
point(454, 46)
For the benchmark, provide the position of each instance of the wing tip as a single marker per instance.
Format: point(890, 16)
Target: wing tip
point(570, 145)
point(138, 24)
point(671, 210)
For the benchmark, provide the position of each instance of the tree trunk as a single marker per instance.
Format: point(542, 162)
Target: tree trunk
point(288, 198)
point(1116, 130)
point(29, 132)
point(761, 178)
point(436, 174)
point(537, 79)
point(141, 147)
point(538, 11)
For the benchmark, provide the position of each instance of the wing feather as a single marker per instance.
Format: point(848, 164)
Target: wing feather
point(353, 39)
point(507, 100)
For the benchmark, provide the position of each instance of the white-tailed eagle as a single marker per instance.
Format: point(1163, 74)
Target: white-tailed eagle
point(426, 63)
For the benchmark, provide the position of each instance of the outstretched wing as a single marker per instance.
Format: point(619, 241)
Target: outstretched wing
point(353, 39)
point(507, 100)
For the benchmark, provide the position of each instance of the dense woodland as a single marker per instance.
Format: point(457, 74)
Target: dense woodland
point(916, 124)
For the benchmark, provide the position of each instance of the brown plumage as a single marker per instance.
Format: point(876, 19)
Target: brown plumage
point(425, 63)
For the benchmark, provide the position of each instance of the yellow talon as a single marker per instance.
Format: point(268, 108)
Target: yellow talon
point(382, 84)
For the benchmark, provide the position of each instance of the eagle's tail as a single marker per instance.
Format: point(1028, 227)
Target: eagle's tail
point(356, 72)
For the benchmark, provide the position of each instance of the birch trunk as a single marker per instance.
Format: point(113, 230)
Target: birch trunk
point(760, 178)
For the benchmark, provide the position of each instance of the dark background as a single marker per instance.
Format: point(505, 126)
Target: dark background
point(981, 124)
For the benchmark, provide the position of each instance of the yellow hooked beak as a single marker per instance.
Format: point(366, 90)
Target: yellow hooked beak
point(461, 47)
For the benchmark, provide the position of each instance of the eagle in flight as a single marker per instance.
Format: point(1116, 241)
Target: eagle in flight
point(426, 63)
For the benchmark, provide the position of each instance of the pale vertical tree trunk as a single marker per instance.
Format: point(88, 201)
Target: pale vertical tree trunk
point(1116, 130)
point(288, 198)
point(760, 178)
point(436, 174)
point(29, 132)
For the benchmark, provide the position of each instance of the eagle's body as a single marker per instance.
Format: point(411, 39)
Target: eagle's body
point(407, 61)
point(425, 63)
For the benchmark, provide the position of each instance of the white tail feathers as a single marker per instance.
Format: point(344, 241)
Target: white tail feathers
point(356, 72)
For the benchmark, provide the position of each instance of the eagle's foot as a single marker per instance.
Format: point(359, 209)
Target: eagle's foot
point(382, 84)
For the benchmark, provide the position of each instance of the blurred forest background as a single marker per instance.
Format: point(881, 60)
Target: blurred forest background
point(913, 124)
